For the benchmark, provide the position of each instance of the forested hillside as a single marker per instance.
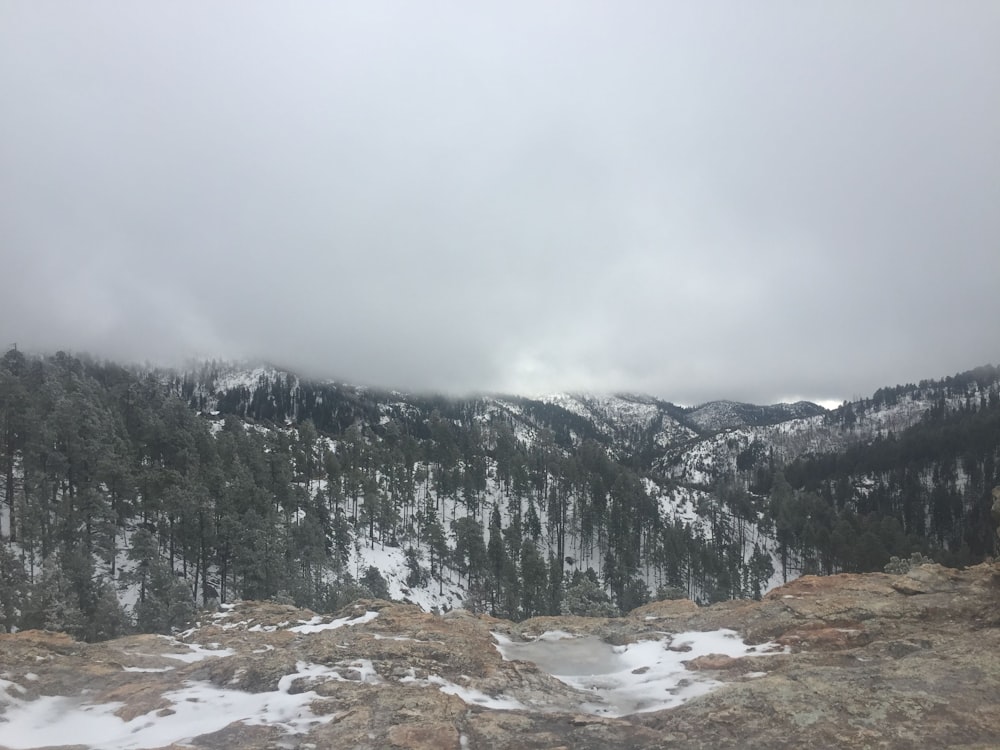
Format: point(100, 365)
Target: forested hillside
point(129, 497)
point(931, 482)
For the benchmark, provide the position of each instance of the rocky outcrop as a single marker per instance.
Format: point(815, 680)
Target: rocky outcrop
point(853, 661)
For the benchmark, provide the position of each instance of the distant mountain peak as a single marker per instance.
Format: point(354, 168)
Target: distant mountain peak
point(725, 414)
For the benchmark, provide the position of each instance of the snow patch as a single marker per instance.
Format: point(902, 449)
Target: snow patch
point(469, 695)
point(635, 678)
point(198, 708)
point(198, 653)
point(316, 624)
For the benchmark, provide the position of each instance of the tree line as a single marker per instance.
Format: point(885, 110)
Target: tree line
point(131, 497)
point(117, 480)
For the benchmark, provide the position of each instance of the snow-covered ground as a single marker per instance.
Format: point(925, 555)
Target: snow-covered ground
point(197, 708)
point(635, 678)
point(613, 681)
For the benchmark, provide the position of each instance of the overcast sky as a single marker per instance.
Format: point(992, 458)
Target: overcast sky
point(697, 200)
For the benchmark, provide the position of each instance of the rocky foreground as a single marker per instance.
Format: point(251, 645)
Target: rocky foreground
point(851, 661)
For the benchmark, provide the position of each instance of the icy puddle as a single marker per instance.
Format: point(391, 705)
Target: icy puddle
point(639, 677)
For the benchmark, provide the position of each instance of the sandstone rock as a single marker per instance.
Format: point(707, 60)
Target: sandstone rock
point(875, 661)
point(718, 662)
point(815, 635)
point(425, 736)
point(664, 609)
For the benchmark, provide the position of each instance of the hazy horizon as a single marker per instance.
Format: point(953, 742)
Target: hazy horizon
point(193, 364)
point(695, 201)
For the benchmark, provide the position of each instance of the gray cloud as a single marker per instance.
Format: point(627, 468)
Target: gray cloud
point(696, 200)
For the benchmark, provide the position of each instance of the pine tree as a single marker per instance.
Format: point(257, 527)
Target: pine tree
point(375, 583)
point(53, 603)
point(14, 425)
point(470, 549)
point(416, 575)
point(165, 601)
point(585, 597)
point(437, 543)
point(13, 589)
point(534, 578)
point(497, 562)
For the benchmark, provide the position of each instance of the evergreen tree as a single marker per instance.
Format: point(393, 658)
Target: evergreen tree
point(54, 604)
point(585, 597)
point(13, 589)
point(782, 509)
point(165, 601)
point(14, 403)
point(375, 583)
point(470, 549)
point(497, 562)
point(534, 581)
point(416, 575)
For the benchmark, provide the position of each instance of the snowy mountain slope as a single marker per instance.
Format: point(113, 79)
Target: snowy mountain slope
point(628, 427)
point(257, 483)
point(722, 415)
point(739, 449)
point(684, 453)
point(629, 419)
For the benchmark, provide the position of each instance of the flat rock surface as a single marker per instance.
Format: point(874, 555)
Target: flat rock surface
point(852, 661)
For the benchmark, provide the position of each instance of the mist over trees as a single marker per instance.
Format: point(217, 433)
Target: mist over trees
point(130, 497)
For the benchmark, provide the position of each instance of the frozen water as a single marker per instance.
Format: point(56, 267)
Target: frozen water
point(634, 678)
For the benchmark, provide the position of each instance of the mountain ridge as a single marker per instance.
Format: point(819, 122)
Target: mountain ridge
point(497, 503)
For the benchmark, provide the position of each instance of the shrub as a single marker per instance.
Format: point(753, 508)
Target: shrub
point(897, 566)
